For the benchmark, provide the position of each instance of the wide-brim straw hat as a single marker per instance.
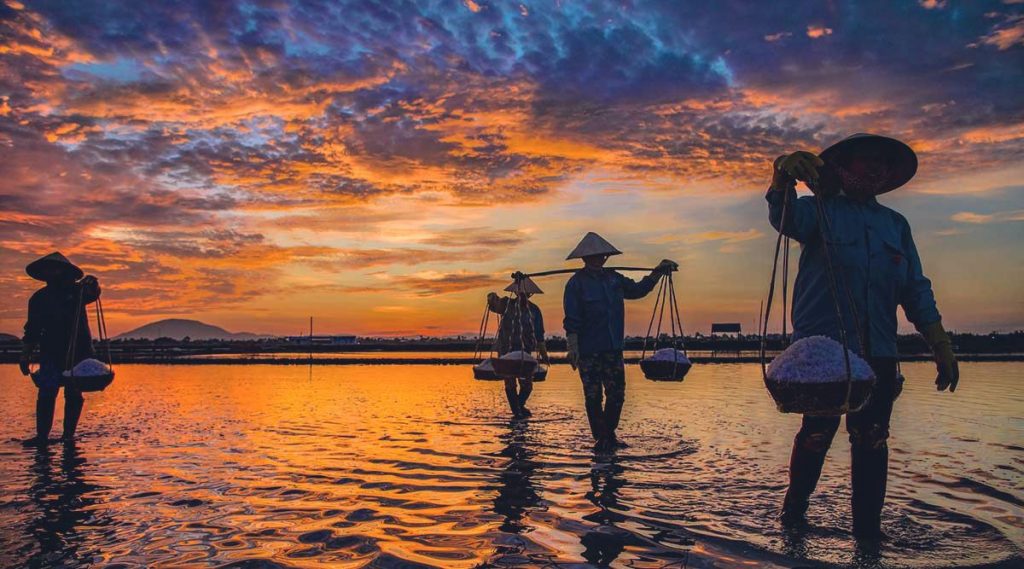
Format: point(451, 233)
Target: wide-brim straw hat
point(592, 244)
point(53, 266)
point(524, 286)
point(869, 164)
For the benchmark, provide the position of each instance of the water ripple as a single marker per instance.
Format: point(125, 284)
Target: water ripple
point(418, 466)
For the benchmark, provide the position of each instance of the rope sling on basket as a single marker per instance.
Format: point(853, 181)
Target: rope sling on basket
point(89, 374)
point(518, 362)
point(669, 363)
point(485, 369)
point(804, 378)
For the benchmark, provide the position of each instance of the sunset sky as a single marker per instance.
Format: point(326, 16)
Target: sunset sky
point(383, 165)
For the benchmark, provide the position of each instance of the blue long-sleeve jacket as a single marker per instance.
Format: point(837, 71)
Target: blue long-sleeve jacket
point(594, 308)
point(872, 249)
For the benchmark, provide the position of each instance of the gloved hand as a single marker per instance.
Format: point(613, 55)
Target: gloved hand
point(90, 286)
point(945, 360)
point(666, 266)
point(781, 180)
point(24, 360)
point(800, 165)
point(542, 349)
point(572, 346)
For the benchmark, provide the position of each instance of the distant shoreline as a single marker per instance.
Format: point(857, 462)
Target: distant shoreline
point(469, 360)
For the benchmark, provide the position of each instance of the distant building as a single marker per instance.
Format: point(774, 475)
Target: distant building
point(726, 329)
point(322, 340)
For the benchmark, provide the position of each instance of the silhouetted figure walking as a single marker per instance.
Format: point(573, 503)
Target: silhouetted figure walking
point(595, 331)
point(58, 326)
point(521, 329)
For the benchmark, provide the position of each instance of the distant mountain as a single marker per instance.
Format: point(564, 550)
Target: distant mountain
point(178, 329)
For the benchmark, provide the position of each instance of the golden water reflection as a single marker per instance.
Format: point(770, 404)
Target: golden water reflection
point(353, 465)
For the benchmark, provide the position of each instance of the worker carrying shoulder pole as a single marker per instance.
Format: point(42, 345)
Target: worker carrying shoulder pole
point(521, 328)
point(878, 268)
point(58, 326)
point(595, 331)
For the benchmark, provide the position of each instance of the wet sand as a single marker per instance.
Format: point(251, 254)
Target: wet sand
point(409, 466)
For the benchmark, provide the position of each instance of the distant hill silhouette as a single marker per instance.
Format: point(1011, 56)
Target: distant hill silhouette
point(178, 329)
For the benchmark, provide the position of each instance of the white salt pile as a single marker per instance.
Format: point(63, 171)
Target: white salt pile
point(817, 359)
point(668, 355)
point(486, 365)
point(88, 368)
point(519, 355)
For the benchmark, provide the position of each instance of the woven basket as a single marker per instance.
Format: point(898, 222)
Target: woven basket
point(515, 367)
point(663, 370)
point(86, 383)
point(484, 371)
point(541, 374)
point(818, 399)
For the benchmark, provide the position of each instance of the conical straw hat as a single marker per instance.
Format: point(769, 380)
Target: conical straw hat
point(525, 286)
point(51, 266)
point(592, 244)
point(888, 162)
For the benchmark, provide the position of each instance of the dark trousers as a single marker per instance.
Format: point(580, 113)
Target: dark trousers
point(869, 433)
point(604, 377)
point(517, 399)
point(46, 402)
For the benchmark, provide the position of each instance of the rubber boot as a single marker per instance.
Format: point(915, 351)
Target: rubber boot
point(805, 463)
point(513, 398)
point(46, 401)
point(73, 403)
point(595, 416)
point(525, 389)
point(870, 471)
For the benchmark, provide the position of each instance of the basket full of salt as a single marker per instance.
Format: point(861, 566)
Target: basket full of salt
point(810, 377)
point(485, 371)
point(89, 375)
point(541, 374)
point(515, 364)
point(666, 364)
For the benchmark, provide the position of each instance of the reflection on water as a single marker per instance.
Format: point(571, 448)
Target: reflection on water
point(63, 509)
point(410, 466)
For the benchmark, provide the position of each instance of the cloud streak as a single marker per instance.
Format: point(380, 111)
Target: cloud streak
point(201, 155)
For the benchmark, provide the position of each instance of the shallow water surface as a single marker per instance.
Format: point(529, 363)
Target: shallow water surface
point(410, 466)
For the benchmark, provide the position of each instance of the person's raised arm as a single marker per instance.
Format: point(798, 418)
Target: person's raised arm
point(497, 303)
point(801, 214)
point(90, 289)
point(632, 290)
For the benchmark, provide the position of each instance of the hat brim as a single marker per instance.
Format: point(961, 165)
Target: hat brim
point(890, 155)
point(49, 269)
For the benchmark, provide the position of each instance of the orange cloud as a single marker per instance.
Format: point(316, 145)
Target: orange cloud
point(1006, 35)
point(815, 31)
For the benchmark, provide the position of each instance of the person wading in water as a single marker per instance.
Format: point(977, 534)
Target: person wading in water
point(878, 268)
point(595, 332)
point(524, 338)
point(56, 313)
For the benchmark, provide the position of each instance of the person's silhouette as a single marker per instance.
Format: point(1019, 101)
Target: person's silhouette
point(605, 543)
point(516, 490)
point(63, 504)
